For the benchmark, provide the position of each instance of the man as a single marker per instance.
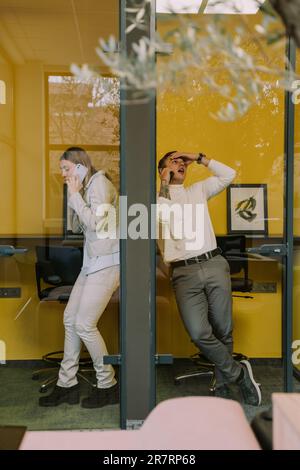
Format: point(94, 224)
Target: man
point(200, 275)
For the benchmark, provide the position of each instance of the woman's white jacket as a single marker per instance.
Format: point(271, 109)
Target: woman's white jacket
point(91, 215)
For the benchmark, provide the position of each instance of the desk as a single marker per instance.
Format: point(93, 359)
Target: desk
point(257, 321)
point(187, 423)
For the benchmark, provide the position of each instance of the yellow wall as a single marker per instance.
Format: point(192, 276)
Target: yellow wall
point(7, 151)
point(38, 328)
point(257, 321)
point(30, 146)
point(23, 149)
point(254, 146)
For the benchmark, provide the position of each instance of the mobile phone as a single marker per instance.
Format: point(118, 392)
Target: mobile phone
point(81, 171)
point(171, 175)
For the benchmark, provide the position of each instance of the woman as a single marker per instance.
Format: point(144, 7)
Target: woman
point(97, 281)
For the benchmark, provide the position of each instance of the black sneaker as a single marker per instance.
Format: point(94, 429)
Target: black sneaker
point(250, 389)
point(224, 392)
point(100, 397)
point(60, 395)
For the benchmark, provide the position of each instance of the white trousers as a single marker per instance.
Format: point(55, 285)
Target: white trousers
point(88, 300)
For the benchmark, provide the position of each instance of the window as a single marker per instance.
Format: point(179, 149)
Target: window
point(84, 113)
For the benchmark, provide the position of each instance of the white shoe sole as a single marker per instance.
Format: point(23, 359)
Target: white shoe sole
point(256, 385)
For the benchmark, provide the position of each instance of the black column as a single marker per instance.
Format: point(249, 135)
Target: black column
point(138, 141)
point(288, 264)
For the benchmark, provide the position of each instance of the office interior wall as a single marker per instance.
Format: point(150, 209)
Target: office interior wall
point(7, 149)
point(29, 109)
point(28, 327)
point(254, 146)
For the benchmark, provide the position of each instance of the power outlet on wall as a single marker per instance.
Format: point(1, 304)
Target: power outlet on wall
point(10, 292)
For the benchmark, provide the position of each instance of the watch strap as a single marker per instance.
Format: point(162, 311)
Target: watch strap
point(200, 156)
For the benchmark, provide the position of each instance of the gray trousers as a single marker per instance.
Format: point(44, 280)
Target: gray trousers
point(204, 300)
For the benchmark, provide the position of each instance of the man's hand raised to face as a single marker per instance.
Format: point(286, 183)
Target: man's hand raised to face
point(189, 158)
point(165, 175)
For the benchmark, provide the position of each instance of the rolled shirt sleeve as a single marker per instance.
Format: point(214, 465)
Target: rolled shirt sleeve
point(223, 176)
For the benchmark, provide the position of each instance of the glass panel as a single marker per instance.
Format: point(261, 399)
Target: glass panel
point(244, 217)
point(296, 323)
point(108, 160)
point(83, 111)
point(45, 111)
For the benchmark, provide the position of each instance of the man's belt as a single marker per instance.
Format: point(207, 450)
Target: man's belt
point(197, 259)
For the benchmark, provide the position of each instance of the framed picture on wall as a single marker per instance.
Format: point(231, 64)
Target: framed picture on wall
point(68, 234)
point(247, 209)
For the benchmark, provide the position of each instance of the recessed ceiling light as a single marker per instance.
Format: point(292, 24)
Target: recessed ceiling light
point(178, 6)
point(233, 7)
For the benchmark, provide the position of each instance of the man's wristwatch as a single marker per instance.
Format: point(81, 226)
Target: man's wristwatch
point(199, 159)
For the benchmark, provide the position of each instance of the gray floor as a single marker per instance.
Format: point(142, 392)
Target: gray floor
point(19, 406)
point(19, 397)
point(267, 372)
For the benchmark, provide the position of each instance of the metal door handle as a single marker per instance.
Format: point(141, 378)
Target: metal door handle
point(269, 249)
point(9, 250)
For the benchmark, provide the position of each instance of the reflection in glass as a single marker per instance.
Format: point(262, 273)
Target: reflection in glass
point(296, 287)
point(46, 111)
point(83, 112)
point(253, 145)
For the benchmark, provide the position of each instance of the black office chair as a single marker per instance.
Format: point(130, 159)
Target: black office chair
point(234, 250)
point(58, 266)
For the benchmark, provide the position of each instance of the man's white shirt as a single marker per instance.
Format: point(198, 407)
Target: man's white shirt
point(191, 230)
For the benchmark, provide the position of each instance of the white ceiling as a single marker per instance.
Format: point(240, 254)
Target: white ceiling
point(178, 6)
point(61, 32)
point(245, 7)
point(56, 32)
point(225, 7)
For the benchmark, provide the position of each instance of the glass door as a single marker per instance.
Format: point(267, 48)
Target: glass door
point(296, 285)
point(45, 110)
point(247, 212)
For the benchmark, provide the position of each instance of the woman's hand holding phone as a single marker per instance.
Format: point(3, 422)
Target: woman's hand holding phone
point(74, 184)
point(74, 181)
point(80, 171)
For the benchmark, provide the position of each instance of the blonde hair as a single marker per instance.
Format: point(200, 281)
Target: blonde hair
point(79, 155)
